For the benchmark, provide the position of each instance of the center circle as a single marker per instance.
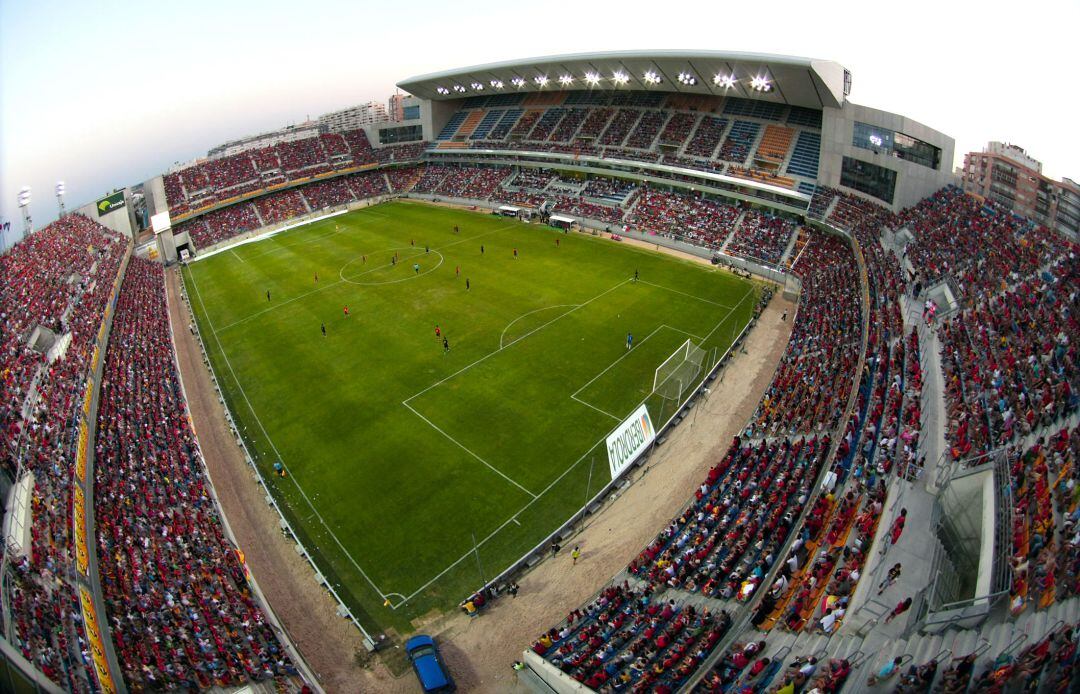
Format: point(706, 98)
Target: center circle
point(406, 264)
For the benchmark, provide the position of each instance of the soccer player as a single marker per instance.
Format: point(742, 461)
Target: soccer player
point(445, 346)
point(556, 242)
point(393, 259)
point(629, 340)
point(466, 284)
point(416, 268)
point(515, 253)
point(268, 295)
point(316, 278)
point(455, 229)
point(346, 309)
point(457, 271)
point(481, 249)
point(438, 333)
point(635, 275)
point(323, 325)
point(427, 249)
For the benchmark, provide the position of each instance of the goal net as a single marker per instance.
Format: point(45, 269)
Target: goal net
point(678, 371)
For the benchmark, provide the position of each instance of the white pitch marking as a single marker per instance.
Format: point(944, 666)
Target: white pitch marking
point(463, 447)
point(529, 313)
point(692, 296)
point(277, 453)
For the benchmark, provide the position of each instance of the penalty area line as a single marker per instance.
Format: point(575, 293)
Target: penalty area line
point(463, 447)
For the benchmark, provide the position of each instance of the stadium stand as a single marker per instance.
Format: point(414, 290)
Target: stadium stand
point(761, 237)
point(280, 207)
point(59, 278)
point(179, 604)
point(692, 218)
point(330, 193)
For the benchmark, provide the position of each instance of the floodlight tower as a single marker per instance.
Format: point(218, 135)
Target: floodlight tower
point(24, 205)
point(60, 190)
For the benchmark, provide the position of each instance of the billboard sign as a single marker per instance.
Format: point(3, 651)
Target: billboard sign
point(110, 203)
point(629, 440)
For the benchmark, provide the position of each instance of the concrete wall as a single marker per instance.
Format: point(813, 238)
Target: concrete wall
point(154, 194)
point(913, 181)
point(117, 220)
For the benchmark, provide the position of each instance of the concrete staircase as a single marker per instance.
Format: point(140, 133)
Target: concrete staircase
point(734, 228)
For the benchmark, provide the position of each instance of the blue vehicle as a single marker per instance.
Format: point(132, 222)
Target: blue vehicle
point(429, 666)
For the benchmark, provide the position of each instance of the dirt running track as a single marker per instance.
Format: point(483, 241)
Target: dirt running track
point(479, 651)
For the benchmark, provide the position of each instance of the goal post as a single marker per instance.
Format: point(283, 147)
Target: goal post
point(679, 370)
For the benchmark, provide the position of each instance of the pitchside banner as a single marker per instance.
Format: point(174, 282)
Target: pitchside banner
point(110, 203)
point(628, 441)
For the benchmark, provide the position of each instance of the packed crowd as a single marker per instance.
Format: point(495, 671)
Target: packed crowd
point(366, 185)
point(693, 218)
point(648, 127)
point(280, 207)
point(761, 237)
point(1010, 361)
point(725, 542)
point(222, 224)
point(813, 380)
point(333, 192)
point(178, 600)
point(61, 278)
point(981, 246)
point(630, 640)
point(212, 180)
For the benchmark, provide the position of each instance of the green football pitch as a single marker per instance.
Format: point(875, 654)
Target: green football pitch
point(415, 473)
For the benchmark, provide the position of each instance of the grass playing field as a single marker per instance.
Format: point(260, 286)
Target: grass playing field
point(400, 455)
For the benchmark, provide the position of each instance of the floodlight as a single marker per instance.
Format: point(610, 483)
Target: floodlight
point(725, 81)
point(620, 77)
point(592, 79)
point(566, 80)
point(687, 78)
point(541, 80)
point(459, 89)
point(497, 84)
point(518, 82)
point(652, 78)
point(442, 90)
point(24, 196)
point(760, 83)
point(60, 188)
point(478, 86)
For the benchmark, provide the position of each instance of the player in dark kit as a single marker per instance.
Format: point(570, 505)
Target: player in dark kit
point(445, 346)
point(323, 325)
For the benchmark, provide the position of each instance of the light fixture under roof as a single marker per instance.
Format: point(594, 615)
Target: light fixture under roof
point(518, 82)
point(592, 79)
point(651, 77)
point(760, 83)
point(687, 78)
point(442, 90)
point(497, 84)
point(478, 86)
point(620, 77)
point(541, 80)
point(566, 80)
point(725, 81)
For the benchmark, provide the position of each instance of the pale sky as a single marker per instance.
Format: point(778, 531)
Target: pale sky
point(107, 94)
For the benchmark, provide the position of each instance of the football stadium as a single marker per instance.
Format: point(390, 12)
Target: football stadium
point(649, 371)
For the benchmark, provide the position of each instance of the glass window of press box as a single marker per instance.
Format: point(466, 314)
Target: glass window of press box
point(868, 178)
point(896, 145)
point(405, 133)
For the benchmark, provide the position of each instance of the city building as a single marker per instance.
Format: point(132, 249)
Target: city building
point(1009, 175)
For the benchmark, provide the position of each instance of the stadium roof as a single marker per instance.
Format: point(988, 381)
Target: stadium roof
point(777, 78)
